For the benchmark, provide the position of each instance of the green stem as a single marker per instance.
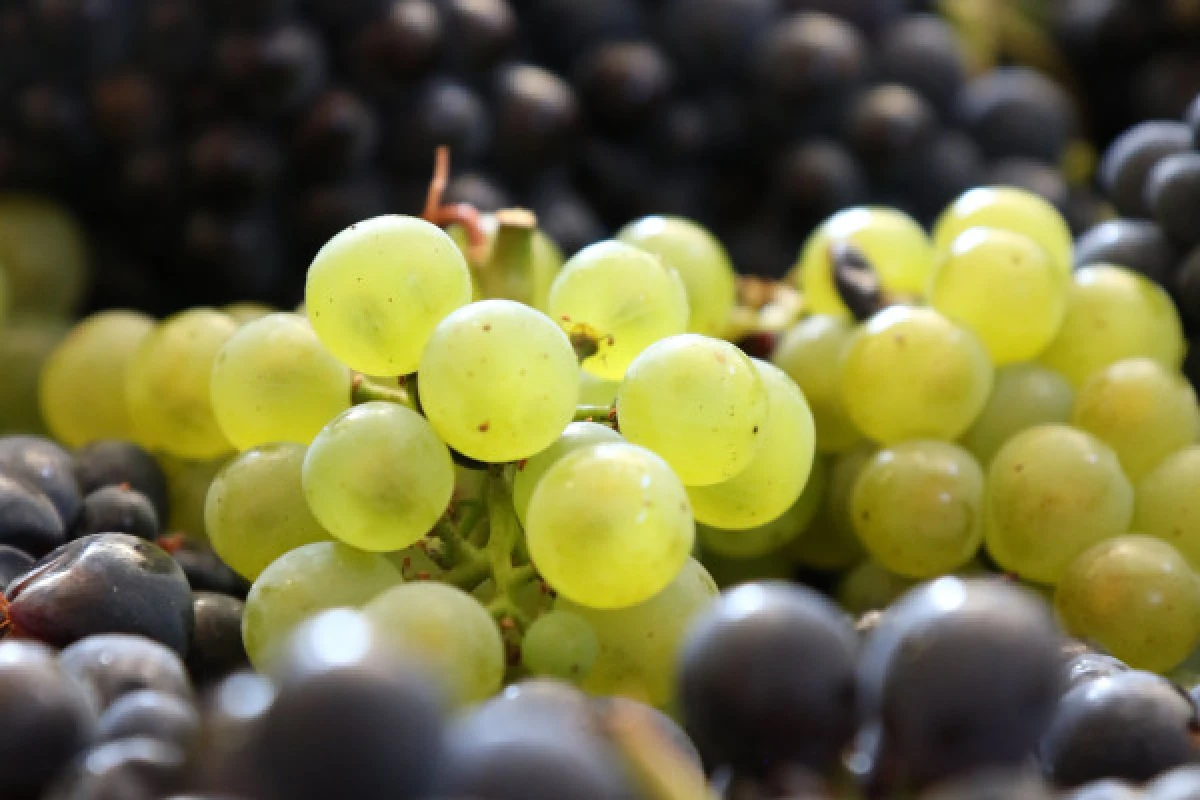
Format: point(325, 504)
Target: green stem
point(605, 415)
point(467, 576)
point(508, 273)
point(363, 390)
point(502, 543)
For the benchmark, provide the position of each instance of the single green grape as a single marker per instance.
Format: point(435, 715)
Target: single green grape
point(575, 436)
point(1142, 410)
point(773, 535)
point(168, 384)
point(1023, 396)
point(377, 477)
point(187, 493)
point(622, 298)
point(446, 628)
point(698, 402)
point(830, 543)
point(545, 260)
point(25, 346)
point(870, 587)
point(639, 645)
point(701, 262)
point(609, 525)
point(917, 508)
point(776, 476)
point(82, 388)
point(896, 246)
point(303, 582)
point(376, 291)
point(1166, 503)
point(44, 255)
point(1005, 288)
point(595, 391)
point(248, 312)
point(273, 381)
point(1052, 492)
point(1009, 209)
point(560, 644)
point(255, 509)
point(910, 373)
point(1136, 597)
point(810, 352)
point(499, 381)
point(1114, 314)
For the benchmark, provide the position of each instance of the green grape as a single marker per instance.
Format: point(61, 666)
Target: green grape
point(701, 262)
point(622, 298)
point(577, 435)
point(1136, 597)
point(1052, 492)
point(699, 403)
point(499, 381)
point(870, 587)
point(274, 382)
point(303, 582)
point(729, 571)
point(897, 248)
point(377, 477)
point(1113, 314)
point(639, 645)
point(1008, 209)
point(1166, 504)
point(255, 509)
point(777, 474)
point(810, 353)
point(25, 346)
point(910, 373)
point(1005, 288)
point(830, 543)
point(545, 260)
point(917, 508)
point(560, 644)
point(92, 362)
point(248, 312)
point(187, 493)
point(168, 384)
point(595, 391)
point(609, 525)
point(1023, 395)
point(1140, 409)
point(770, 536)
point(44, 256)
point(446, 628)
point(376, 291)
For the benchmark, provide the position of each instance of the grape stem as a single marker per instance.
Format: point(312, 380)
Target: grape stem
point(605, 415)
point(502, 544)
point(508, 272)
point(440, 214)
point(363, 390)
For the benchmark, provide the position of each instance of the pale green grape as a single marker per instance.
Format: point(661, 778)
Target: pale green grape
point(255, 509)
point(609, 525)
point(545, 260)
point(870, 587)
point(897, 248)
point(1168, 505)
point(1005, 288)
point(699, 403)
point(303, 582)
point(1142, 410)
point(1023, 395)
point(574, 437)
point(376, 291)
point(910, 373)
point(755, 542)
point(622, 298)
point(1113, 314)
point(776, 476)
point(274, 382)
point(377, 477)
point(248, 312)
point(168, 384)
point(25, 346)
point(639, 645)
point(447, 629)
point(830, 543)
point(917, 508)
point(595, 391)
point(1136, 597)
point(499, 381)
point(810, 353)
point(187, 493)
point(1009, 209)
point(44, 256)
point(701, 262)
point(1053, 492)
point(560, 644)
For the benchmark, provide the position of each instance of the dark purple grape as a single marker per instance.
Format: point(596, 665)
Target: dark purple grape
point(1090, 667)
point(871, 16)
point(231, 168)
point(28, 520)
point(1187, 287)
point(399, 46)
point(45, 466)
point(273, 73)
point(238, 256)
point(714, 40)
point(79, 37)
point(1173, 197)
point(567, 219)
point(216, 650)
point(118, 509)
point(320, 212)
point(1166, 84)
point(152, 714)
point(950, 164)
point(441, 113)
point(622, 83)
point(479, 190)
point(923, 52)
point(206, 572)
point(889, 126)
point(479, 33)
point(1016, 112)
point(1106, 790)
point(1045, 181)
point(1130, 158)
point(175, 39)
point(112, 462)
point(1181, 783)
point(253, 14)
point(13, 564)
point(1135, 244)
point(112, 665)
point(565, 28)
point(1192, 119)
point(536, 117)
point(128, 109)
point(813, 180)
point(337, 136)
point(127, 769)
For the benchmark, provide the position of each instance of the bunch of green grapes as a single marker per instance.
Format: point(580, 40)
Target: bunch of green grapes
point(375, 292)
point(273, 381)
point(498, 381)
point(1166, 504)
point(378, 477)
point(1008, 209)
point(810, 353)
point(575, 436)
point(1023, 396)
point(698, 402)
point(621, 298)
point(255, 509)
